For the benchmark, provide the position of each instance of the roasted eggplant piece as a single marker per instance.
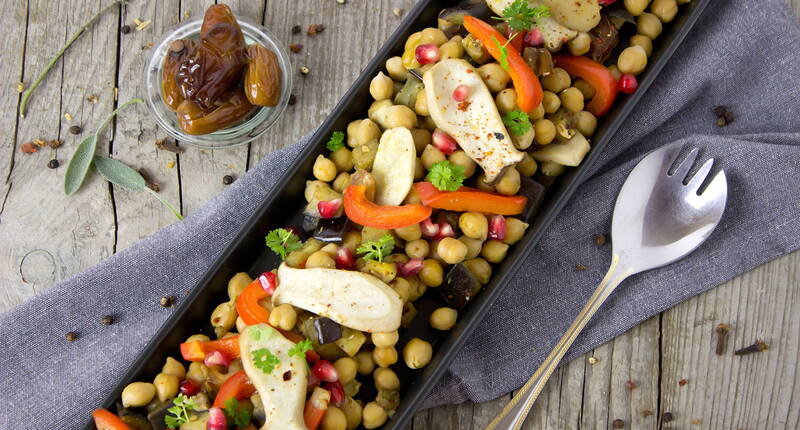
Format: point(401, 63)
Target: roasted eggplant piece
point(451, 19)
point(539, 59)
point(534, 191)
point(331, 229)
point(604, 39)
point(459, 286)
point(327, 330)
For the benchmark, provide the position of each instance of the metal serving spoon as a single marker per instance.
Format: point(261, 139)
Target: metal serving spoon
point(657, 220)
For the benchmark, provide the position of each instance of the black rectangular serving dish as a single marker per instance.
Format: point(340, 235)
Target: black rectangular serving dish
point(247, 251)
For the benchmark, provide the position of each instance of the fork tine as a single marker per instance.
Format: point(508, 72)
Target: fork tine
point(718, 187)
point(682, 169)
point(698, 178)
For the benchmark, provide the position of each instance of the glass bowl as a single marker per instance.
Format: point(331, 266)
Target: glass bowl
point(258, 122)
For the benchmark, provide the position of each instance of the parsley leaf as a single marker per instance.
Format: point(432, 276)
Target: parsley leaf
point(179, 412)
point(377, 249)
point(237, 414)
point(282, 242)
point(300, 348)
point(517, 122)
point(521, 17)
point(265, 360)
point(336, 141)
point(503, 53)
point(446, 176)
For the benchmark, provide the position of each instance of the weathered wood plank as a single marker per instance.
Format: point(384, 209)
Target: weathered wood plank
point(46, 236)
point(559, 404)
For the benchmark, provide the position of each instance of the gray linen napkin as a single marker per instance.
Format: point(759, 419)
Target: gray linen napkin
point(743, 54)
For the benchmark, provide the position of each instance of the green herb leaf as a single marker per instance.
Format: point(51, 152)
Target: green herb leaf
point(124, 176)
point(237, 414)
point(446, 176)
point(503, 53)
point(521, 17)
point(265, 360)
point(517, 122)
point(336, 141)
point(300, 348)
point(180, 414)
point(377, 249)
point(282, 242)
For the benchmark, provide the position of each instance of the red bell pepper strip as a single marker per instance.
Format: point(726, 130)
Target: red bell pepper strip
point(470, 200)
point(527, 85)
point(597, 75)
point(362, 211)
point(105, 420)
point(197, 350)
point(316, 406)
point(236, 386)
point(247, 305)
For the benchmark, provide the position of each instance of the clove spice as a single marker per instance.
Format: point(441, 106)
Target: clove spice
point(722, 336)
point(618, 424)
point(168, 145)
point(724, 116)
point(667, 417)
point(107, 320)
point(166, 301)
point(71, 336)
point(758, 346)
point(600, 239)
point(296, 47)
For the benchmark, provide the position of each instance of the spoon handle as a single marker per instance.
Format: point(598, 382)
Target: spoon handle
point(514, 413)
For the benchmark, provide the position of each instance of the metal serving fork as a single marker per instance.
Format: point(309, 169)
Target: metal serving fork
point(657, 220)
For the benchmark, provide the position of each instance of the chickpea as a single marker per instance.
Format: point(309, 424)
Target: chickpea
point(421, 104)
point(385, 339)
point(474, 246)
point(362, 131)
point(479, 268)
point(474, 225)
point(422, 138)
point(580, 44)
point(284, 316)
point(224, 316)
point(515, 229)
point(538, 113)
point(636, 7)
point(632, 60)
point(417, 353)
point(432, 273)
point(381, 87)
point(384, 356)
point(615, 71)
point(197, 338)
point(452, 250)
point(197, 372)
point(315, 188)
point(461, 158)
point(509, 183)
point(346, 367)
point(451, 49)
point(320, 259)
point(174, 367)
point(396, 69)
point(586, 123)
point(494, 251)
point(434, 254)
point(343, 159)
point(386, 379)
point(409, 233)
point(397, 116)
point(365, 362)
point(432, 35)
point(417, 248)
point(413, 196)
point(649, 25)
point(237, 284)
point(138, 394)
point(341, 182)
point(557, 81)
point(373, 416)
point(352, 411)
point(364, 155)
point(644, 42)
point(443, 318)
point(334, 419)
point(545, 131)
point(166, 386)
point(527, 167)
point(572, 99)
point(324, 169)
point(351, 240)
point(551, 102)
point(585, 88)
point(402, 287)
point(665, 10)
point(494, 76)
point(506, 100)
point(430, 156)
point(552, 169)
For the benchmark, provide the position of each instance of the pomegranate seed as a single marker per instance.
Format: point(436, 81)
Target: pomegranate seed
point(461, 93)
point(216, 419)
point(411, 268)
point(313, 381)
point(292, 229)
point(269, 281)
point(429, 229)
point(445, 230)
point(345, 260)
point(627, 84)
point(606, 2)
point(337, 392)
point(324, 371)
point(216, 358)
point(189, 387)
point(312, 356)
point(328, 209)
point(533, 37)
point(497, 227)
point(427, 53)
point(444, 142)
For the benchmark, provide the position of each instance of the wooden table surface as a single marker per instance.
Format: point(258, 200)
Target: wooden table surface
point(46, 237)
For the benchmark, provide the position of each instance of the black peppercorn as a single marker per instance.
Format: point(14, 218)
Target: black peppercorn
point(126, 29)
point(296, 29)
point(71, 336)
point(75, 129)
point(287, 375)
point(227, 179)
point(166, 301)
point(618, 424)
point(292, 99)
point(666, 417)
point(107, 320)
point(53, 164)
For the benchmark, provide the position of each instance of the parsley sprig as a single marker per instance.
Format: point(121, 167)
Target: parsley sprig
point(265, 360)
point(521, 17)
point(517, 122)
point(336, 141)
point(300, 348)
point(446, 176)
point(503, 52)
point(377, 249)
point(282, 242)
point(179, 411)
point(237, 414)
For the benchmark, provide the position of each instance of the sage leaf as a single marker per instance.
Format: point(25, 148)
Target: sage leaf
point(79, 164)
point(122, 175)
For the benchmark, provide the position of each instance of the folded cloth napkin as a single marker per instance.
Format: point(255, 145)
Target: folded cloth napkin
point(743, 54)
